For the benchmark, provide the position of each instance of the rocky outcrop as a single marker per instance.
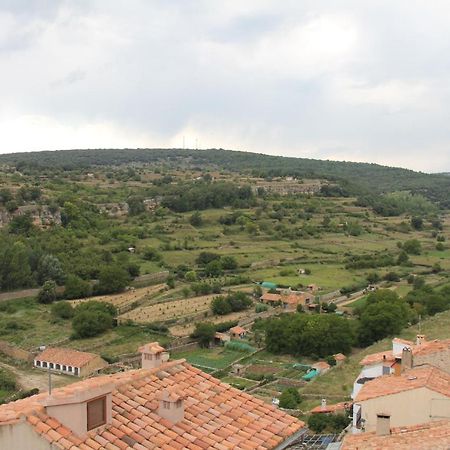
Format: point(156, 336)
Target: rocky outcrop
point(41, 214)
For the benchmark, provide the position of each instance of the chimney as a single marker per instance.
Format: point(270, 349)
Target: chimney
point(81, 409)
point(407, 359)
point(383, 425)
point(153, 355)
point(171, 405)
point(420, 339)
point(323, 404)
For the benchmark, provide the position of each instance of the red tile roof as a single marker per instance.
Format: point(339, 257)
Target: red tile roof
point(321, 365)
point(430, 377)
point(238, 330)
point(429, 436)
point(216, 415)
point(331, 408)
point(268, 297)
point(339, 357)
point(66, 357)
point(428, 347)
point(376, 358)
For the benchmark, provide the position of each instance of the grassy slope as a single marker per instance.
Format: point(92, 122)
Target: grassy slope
point(339, 381)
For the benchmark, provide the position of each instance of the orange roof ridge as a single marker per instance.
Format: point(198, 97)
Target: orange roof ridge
point(424, 376)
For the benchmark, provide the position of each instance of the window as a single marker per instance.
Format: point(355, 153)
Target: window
point(178, 403)
point(58, 367)
point(166, 405)
point(38, 363)
point(96, 413)
point(64, 368)
point(44, 364)
point(51, 365)
point(76, 370)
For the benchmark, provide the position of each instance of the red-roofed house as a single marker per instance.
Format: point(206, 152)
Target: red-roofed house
point(415, 396)
point(238, 332)
point(270, 299)
point(69, 362)
point(435, 353)
point(170, 406)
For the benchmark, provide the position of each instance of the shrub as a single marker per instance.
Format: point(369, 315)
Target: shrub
point(77, 288)
point(112, 279)
point(48, 293)
point(239, 346)
point(261, 307)
point(290, 398)
point(204, 332)
point(62, 310)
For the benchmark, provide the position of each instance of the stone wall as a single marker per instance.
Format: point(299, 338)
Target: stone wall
point(15, 352)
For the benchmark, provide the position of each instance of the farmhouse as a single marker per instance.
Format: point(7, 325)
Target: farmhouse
point(69, 362)
point(238, 332)
point(171, 405)
point(270, 299)
point(413, 397)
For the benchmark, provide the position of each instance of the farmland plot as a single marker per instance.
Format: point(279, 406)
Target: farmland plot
point(169, 310)
point(125, 300)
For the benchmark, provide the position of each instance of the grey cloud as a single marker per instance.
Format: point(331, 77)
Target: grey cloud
point(350, 80)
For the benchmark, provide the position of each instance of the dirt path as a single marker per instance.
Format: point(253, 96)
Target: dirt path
point(34, 378)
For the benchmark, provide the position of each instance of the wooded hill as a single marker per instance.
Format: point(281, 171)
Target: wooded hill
point(354, 178)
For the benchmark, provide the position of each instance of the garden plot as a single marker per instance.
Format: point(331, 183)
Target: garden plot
point(161, 312)
point(125, 300)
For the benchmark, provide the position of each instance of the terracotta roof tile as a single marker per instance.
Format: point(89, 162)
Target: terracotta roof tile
point(216, 415)
point(376, 358)
point(430, 377)
point(430, 436)
point(66, 357)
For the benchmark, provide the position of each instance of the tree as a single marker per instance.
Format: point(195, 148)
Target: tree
point(403, 258)
point(49, 268)
point(47, 294)
point(206, 257)
point(290, 398)
point(412, 247)
point(204, 332)
point(228, 262)
point(75, 287)
point(220, 306)
point(135, 205)
point(22, 224)
point(385, 315)
point(417, 223)
point(373, 277)
point(213, 268)
point(92, 318)
point(15, 270)
point(62, 310)
point(150, 254)
point(191, 276)
point(112, 279)
point(196, 219)
point(91, 323)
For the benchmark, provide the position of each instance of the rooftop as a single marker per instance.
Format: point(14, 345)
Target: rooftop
point(216, 415)
point(66, 357)
point(331, 408)
point(271, 297)
point(429, 377)
point(429, 436)
point(237, 330)
point(426, 347)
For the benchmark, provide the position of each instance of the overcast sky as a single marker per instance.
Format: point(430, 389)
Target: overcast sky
point(348, 80)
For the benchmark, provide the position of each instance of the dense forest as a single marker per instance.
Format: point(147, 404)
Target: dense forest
point(354, 178)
